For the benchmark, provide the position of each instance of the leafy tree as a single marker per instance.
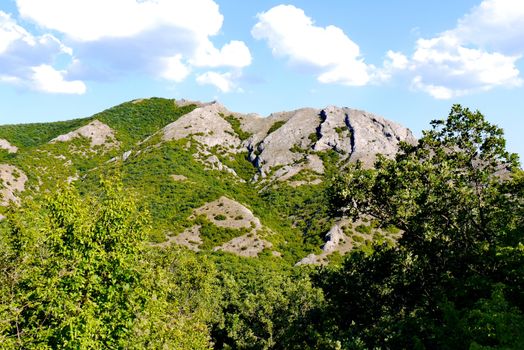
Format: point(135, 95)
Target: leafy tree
point(269, 310)
point(78, 276)
point(457, 196)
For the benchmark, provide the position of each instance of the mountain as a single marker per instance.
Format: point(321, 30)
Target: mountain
point(212, 179)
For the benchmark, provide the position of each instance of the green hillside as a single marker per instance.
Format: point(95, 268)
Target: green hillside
point(126, 238)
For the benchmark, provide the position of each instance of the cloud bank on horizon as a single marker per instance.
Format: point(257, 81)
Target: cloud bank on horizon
point(62, 51)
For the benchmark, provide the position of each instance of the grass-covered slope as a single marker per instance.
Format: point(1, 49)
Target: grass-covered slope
point(135, 120)
point(132, 121)
point(281, 208)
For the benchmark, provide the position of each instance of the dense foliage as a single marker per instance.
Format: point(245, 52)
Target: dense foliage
point(77, 275)
point(455, 278)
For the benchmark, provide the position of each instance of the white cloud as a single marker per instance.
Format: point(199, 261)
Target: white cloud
point(222, 81)
point(494, 24)
point(174, 69)
point(27, 60)
point(234, 54)
point(47, 79)
point(444, 63)
point(479, 54)
point(165, 38)
point(436, 91)
point(328, 51)
point(396, 60)
point(92, 20)
point(10, 32)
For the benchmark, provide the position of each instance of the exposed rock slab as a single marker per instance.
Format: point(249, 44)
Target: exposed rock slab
point(190, 238)
point(285, 143)
point(354, 134)
point(12, 181)
point(334, 131)
point(336, 241)
point(227, 213)
point(280, 147)
point(372, 135)
point(177, 177)
point(4, 144)
point(98, 133)
point(231, 214)
point(248, 245)
point(206, 125)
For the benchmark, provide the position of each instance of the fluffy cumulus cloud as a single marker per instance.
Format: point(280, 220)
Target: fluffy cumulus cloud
point(479, 54)
point(225, 82)
point(47, 79)
point(28, 61)
point(496, 24)
point(168, 39)
point(92, 20)
point(326, 51)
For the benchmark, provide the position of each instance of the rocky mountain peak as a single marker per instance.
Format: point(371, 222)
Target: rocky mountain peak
point(289, 141)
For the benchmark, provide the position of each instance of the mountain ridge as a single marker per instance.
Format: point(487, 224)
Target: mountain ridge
point(181, 155)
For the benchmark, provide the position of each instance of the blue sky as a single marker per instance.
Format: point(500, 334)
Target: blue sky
point(407, 60)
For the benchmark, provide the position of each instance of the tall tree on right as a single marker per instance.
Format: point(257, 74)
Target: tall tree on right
point(455, 278)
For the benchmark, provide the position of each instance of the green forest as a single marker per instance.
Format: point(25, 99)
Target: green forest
point(86, 264)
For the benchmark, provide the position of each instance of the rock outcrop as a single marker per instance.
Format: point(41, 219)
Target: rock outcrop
point(4, 144)
point(206, 125)
point(97, 132)
point(281, 147)
point(233, 214)
point(354, 134)
point(286, 143)
point(335, 241)
point(12, 183)
point(226, 213)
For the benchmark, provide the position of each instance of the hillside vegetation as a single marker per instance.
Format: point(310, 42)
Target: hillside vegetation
point(192, 227)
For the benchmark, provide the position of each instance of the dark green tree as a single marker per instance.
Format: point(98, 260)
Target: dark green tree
point(455, 278)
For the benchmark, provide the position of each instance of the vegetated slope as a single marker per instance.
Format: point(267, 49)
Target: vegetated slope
point(276, 167)
point(75, 270)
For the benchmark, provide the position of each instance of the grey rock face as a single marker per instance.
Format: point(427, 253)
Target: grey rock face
point(334, 131)
point(280, 147)
point(374, 135)
point(354, 134)
point(206, 125)
point(284, 143)
point(12, 183)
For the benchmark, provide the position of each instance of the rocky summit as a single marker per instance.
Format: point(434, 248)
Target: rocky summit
point(289, 140)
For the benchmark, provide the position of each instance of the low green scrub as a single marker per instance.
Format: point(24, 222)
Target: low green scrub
point(36, 134)
point(276, 126)
point(213, 235)
point(363, 229)
point(237, 128)
point(357, 238)
point(136, 120)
